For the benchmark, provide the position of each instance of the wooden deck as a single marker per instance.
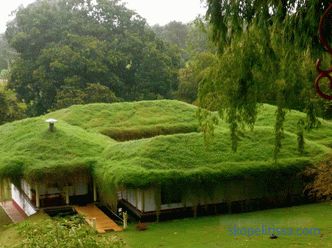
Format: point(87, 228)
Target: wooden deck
point(102, 222)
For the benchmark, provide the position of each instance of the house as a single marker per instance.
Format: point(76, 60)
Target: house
point(150, 158)
point(30, 198)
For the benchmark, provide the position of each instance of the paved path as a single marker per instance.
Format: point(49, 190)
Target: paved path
point(103, 223)
point(13, 211)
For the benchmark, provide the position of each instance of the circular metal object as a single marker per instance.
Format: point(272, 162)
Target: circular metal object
point(325, 24)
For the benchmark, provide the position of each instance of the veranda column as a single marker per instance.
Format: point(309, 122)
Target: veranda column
point(37, 196)
point(67, 195)
point(94, 190)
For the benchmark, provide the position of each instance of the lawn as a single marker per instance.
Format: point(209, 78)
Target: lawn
point(214, 231)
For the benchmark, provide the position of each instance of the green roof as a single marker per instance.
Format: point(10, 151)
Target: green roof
point(132, 120)
point(28, 149)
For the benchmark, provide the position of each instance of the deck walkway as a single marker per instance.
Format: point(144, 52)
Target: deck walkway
point(102, 222)
point(13, 211)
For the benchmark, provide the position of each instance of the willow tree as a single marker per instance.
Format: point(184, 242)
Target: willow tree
point(266, 52)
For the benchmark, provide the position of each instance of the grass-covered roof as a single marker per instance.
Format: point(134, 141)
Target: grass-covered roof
point(185, 157)
point(132, 120)
point(28, 149)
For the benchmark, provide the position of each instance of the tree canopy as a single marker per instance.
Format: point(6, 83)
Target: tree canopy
point(6, 53)
point(266, 53)
point(10, 109)
point(70, 44)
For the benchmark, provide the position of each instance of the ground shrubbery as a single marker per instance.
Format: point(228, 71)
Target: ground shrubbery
point(71, 232)
point(321, 186)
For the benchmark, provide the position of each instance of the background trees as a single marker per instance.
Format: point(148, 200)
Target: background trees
point(6, 53)
point(10, 108)
point(67, 45)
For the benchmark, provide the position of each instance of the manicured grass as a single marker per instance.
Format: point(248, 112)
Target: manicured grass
point(78, 145)
point(322, 134)
point(206, 232)
point(214, 231)
point(27, 148)
point(132, 120)
point(183, 155)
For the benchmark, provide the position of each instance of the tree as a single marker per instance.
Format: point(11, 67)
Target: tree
point(192, 74)
point(191, 42)
point(93, 93)
point(7, 54)
point(10, 108)
point(174, 32)
point(4, 75)
point(266, 54)
point(68, 44)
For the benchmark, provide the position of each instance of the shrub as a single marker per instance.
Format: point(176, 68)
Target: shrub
point(71, 232)
point(321, 187)
point(141, 226)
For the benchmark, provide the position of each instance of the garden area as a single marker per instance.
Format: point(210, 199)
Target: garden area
point(217, 231)
point(209, 231)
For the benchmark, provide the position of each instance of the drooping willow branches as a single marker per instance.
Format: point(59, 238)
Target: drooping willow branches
point(266, 53)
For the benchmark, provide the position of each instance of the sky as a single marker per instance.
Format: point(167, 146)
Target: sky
point(154, 11)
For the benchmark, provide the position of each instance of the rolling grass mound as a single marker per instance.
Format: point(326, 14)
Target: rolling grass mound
point(132, 120)
point(322, 134)
point(146, 155)
point(29, 149)
point(177, 157)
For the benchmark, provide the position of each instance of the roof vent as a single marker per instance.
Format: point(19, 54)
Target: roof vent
point(51, 123)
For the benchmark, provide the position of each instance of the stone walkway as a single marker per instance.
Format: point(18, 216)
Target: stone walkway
point(13, 211)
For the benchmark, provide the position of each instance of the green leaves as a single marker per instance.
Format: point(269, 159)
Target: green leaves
point(266, 54)
point(69, 44)
point(11, 109)
point(71, 232)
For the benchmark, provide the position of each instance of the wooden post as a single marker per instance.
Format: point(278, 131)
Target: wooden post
point(136, 196)
point(37, 196)
point(125, 220)
point(143, 201)
point(94, 223)
point(195, 207)
point(67, 195)
point(94, 190)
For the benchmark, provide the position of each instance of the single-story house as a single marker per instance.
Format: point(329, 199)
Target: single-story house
point(151, 158)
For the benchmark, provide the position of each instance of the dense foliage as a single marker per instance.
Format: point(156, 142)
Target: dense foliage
point(321, 187)
point(65, 46)
point(10, 108)
point(6, 54)
point(70, 232)
point(196, 52)
point(267, 51)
